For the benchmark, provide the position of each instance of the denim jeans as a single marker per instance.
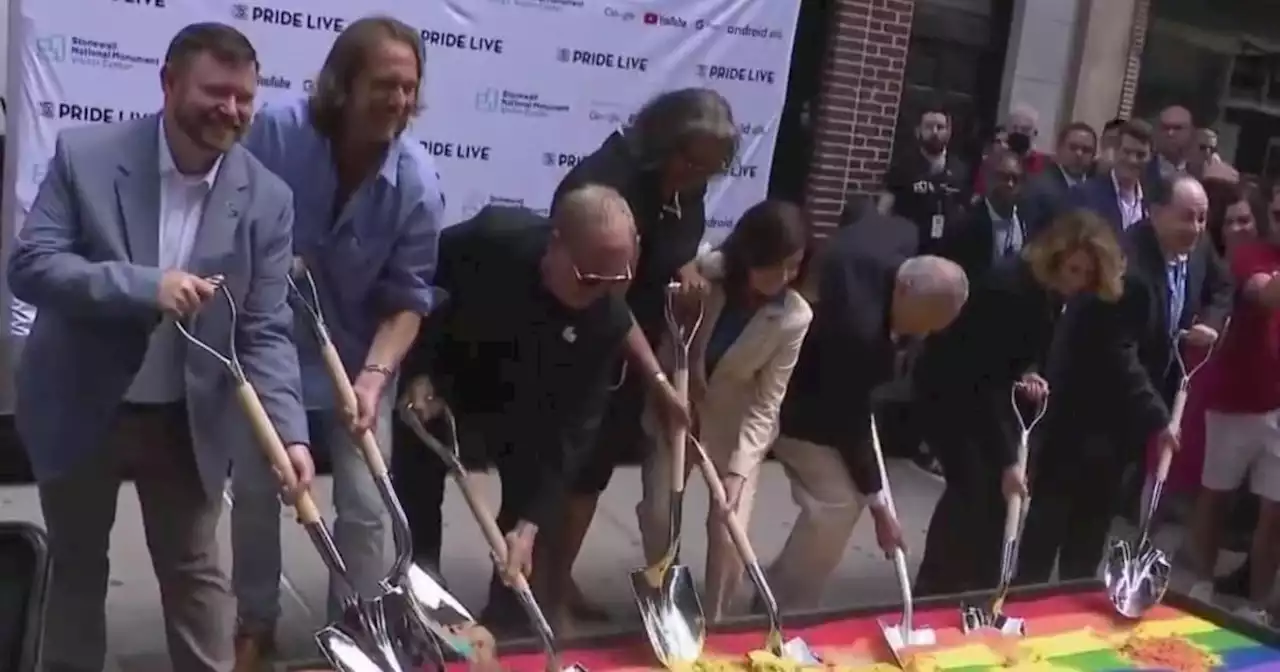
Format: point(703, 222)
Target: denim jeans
point(359, 530)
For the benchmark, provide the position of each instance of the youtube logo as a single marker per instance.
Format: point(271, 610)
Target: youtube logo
point(655, 19)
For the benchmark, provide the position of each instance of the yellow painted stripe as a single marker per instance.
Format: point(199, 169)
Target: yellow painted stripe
point(1174, 627)
point(1066, 644)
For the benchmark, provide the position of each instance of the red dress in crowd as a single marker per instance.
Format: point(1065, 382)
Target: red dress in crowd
point(1243, 375)
point(1184, 471)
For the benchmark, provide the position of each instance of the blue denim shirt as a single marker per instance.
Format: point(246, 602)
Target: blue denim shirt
point(376, 260)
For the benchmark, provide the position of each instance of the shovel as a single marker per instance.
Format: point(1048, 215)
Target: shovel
point(415, 606)
point(664, 591)
point(1015, 517)
point(796, 650)
point(903, 635)
point(362, 644)
point(413, 418)
point(1137, 575)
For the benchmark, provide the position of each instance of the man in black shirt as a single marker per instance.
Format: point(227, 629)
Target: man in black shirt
point(522, 351)
point(928, 186)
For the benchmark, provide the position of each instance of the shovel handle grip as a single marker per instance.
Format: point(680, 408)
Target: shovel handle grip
point(1012, 516)
point(264, 432)
point(488, 525)
point(721, 500)
point(366, 441)
point(1178, 409)
point(678, 438)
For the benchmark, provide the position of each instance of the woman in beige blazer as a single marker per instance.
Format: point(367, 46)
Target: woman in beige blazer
point(740, 364)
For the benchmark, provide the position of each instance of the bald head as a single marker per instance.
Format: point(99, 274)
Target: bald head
point(1023, 119)
point(929, 293)
point(594, 246)
point(593, 211)
point(1176, 133)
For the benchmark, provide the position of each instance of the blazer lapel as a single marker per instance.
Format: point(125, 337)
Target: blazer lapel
point(698, 353)
point(755, 334)
point(138, 195)
point(1111, 205)
point(222, 211)
point(1158, 270)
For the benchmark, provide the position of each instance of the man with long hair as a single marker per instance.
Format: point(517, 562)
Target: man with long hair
point(369, 212)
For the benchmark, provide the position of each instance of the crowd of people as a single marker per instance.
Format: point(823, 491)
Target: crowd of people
point(1069, 280)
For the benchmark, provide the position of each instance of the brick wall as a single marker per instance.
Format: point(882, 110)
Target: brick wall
point(858, 104)
point(1137, 42)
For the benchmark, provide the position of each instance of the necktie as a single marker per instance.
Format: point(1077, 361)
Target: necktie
point(1177, 293)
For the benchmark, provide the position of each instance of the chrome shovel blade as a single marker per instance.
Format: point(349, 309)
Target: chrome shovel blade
point(435, 609)
point(1135, 583)
point(899, 639)
point(975, 619)
point(799, 650)
point(672, 614)
point(342, 652)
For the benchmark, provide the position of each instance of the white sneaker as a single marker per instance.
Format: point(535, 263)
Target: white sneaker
point(1201, 591)
point(1255, 615)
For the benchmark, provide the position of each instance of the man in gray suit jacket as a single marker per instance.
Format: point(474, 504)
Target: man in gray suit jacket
point(129, 223)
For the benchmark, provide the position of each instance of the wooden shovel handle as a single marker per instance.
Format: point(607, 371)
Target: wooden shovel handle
point(679, 382)
point(269, 441)
point(367, 442)
point(488, 525)
point(720, 499)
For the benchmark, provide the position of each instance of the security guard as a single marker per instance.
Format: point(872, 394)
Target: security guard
point(928, 186)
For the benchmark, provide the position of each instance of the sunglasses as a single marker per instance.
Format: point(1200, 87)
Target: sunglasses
point(597, 279)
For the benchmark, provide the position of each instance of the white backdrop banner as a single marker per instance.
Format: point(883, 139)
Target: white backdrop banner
point(517, 91)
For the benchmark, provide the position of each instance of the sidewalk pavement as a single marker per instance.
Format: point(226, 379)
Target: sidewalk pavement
point(136, 636)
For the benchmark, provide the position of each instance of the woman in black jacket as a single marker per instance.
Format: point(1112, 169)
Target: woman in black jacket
point(963, 381)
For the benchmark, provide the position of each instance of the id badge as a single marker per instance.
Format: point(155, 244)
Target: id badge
point(936, 225)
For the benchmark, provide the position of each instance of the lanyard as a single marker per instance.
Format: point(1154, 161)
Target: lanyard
point(1014, 234)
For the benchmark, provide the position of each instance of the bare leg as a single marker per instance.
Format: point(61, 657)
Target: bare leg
point(557, 552)
point(1265, 554)
point(1205, 535)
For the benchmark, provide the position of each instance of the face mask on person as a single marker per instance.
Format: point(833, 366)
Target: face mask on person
point(1019, 143)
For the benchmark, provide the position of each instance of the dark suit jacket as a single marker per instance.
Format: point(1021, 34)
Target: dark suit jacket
point(848, 351)
point(971, 241)
point(1115, 370)
point(1098, 195)
point(1043, 198)
point(1003, 332)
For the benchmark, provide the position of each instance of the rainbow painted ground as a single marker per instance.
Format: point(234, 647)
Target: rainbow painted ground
point(1064, 632)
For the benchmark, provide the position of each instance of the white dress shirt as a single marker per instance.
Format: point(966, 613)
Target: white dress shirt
point(1132, 210)
point(182, 201)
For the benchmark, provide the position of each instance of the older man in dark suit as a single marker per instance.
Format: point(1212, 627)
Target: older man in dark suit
point(873, 294)
point(1114, 378)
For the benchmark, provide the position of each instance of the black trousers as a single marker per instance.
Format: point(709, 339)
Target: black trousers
point(419, 478)
point(963, 544)
point(1076, 492)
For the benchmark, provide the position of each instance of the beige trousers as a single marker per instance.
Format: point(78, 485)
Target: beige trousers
point(829, 508)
